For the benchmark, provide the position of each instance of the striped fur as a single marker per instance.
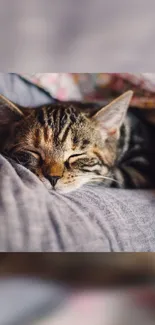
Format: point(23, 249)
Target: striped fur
point(66, 148)
point(136, 167)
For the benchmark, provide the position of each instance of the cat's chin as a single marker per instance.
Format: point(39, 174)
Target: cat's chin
point(63, 188)
point(60, 189)
point(66, 189)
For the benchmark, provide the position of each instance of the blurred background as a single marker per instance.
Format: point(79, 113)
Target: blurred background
point(77, 36)
point(66, 289)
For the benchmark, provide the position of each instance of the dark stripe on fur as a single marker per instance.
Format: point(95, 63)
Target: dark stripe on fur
point(41, 118)
point(138, 156)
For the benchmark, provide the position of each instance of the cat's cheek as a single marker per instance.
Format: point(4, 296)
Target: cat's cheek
point(70, 185)
point(64, 185)
point(104, 170)
point(66, 188)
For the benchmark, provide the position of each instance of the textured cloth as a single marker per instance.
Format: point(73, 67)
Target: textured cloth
point(59, 85)
point(89, 219)
point(98, 86)
point(21, 91)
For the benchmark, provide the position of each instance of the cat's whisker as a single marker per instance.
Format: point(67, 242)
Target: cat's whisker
point(99, 177)
point(108, 178)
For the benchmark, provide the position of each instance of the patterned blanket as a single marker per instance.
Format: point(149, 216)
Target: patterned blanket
point(98, 86)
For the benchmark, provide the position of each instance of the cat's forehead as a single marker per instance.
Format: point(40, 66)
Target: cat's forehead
point(62, 120)
point(55, 124)
point(57, 114)
point(56, 129)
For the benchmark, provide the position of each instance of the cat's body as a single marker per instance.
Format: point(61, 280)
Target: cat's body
point(135, 163)
point(66, 147)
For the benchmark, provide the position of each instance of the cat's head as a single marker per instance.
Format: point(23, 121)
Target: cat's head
point(62, 145)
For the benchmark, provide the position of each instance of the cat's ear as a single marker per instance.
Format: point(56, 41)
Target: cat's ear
point(111, 117)
point(9, 112)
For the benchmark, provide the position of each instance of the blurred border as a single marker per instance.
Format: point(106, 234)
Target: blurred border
point(89, 36)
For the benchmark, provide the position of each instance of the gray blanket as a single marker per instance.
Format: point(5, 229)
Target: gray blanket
point(89, 219)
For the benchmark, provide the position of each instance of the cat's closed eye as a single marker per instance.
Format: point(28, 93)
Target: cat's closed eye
point(27, 157)
point(34, 154)
point(82, 161)
point(74, 158)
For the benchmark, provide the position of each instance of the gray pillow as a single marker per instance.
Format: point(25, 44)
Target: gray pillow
point(89, 219)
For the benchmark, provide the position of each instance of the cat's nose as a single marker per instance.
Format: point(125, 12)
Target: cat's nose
point(53, 179)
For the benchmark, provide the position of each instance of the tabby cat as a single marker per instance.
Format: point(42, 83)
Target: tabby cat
point(67, 147)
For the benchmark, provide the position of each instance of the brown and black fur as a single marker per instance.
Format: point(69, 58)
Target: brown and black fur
point(67, 147)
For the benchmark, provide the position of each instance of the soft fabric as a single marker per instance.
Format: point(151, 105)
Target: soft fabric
point(59, 85)
point(89, 219)
point(98, 86)
point(21, 91)
point(106, 86)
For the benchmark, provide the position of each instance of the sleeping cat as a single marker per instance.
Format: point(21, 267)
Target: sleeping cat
point(67, 147)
